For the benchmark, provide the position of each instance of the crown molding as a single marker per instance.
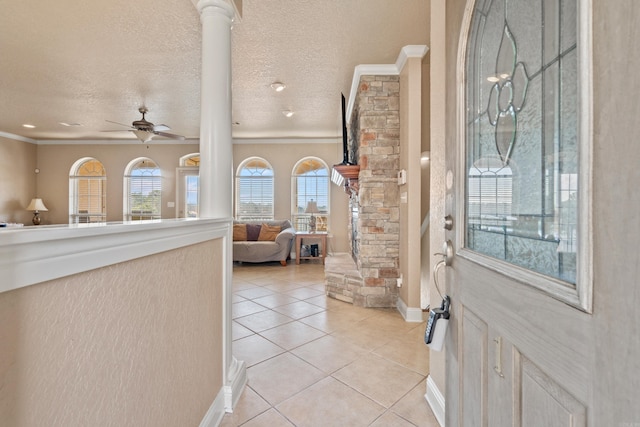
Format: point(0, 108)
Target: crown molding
point(409, 51)
point(17, 137)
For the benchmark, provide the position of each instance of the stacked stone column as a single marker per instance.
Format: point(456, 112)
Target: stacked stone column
point(376, 116)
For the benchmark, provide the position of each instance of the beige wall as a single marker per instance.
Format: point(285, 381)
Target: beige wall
point(55, 162)
point(425, 186)
point(410, 149)
point(283, 157)
point(17, 180)
point(439, 110)
point(134, 344)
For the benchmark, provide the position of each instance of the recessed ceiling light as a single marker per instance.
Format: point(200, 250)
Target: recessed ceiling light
point(69, 124)
point(287, 113)
point(28, 126)
point(277, 86)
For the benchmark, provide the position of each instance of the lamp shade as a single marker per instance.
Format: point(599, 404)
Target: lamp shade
point(37, 205)
point(143, 135)
point(312, 207)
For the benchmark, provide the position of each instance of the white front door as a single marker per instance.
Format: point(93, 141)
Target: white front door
point(518, 347)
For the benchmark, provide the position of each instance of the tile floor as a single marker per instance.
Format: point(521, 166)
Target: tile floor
point(315, 361)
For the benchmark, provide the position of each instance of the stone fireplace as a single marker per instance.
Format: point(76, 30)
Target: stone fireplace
point(369, 278)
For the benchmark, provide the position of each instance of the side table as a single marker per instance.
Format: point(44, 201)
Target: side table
point(321, 236)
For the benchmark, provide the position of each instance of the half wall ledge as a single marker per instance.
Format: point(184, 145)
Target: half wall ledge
point(33, 255)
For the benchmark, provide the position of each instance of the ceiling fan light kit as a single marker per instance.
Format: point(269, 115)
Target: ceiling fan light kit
point(143, 135)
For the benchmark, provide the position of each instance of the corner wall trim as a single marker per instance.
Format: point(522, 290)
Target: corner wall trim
point(216, 412)
point(435, 399)
point(409, 314)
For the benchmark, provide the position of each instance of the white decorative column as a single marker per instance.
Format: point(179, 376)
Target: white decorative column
point(216, 157)
point(216, 161)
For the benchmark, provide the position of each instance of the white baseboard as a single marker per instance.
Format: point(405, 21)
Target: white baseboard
point(235, 386)
point(409, 314)
point(435, 399)
point(216, 411)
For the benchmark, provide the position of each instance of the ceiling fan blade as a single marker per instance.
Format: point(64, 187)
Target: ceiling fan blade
point(169, 135)
point(121, 124)
point(160, 128)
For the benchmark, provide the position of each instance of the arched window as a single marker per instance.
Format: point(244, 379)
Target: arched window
point(188, 186)
point(310, 183)
point(254, 190)
point(142, 190)
point(190, 160)
point(87, 192)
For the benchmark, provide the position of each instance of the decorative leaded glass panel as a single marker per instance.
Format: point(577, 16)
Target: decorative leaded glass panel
point(521, 134)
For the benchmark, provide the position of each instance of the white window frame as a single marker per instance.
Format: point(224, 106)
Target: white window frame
point(187, 169)
point(78, 198)
point(300, 219)
point(153, 183)
point(261, 184)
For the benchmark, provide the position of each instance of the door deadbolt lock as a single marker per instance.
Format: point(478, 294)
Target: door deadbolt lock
point(448, 222)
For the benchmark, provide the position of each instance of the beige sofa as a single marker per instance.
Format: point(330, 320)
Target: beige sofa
point(263, 244)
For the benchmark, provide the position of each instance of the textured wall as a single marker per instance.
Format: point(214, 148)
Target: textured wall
point(134, 344)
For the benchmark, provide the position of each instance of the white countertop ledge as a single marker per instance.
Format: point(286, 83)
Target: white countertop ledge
point(33, 255)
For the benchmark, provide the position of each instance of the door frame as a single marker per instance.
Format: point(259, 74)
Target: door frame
point(181, 173)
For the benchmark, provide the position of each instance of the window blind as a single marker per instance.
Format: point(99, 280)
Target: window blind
point(254, 190)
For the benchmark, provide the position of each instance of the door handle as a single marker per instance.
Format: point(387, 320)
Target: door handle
point(447, 253)
point(447, 259)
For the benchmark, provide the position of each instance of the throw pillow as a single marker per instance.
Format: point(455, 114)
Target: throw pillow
point(269, 232)
point(239, 232)
point(253, 231)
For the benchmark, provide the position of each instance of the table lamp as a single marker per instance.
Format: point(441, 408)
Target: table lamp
point(36, 206)
point(312, 208)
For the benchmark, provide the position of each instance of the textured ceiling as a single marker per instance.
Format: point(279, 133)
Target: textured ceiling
point(87, 62)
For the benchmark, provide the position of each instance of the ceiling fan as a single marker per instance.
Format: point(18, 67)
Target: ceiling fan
point(145, 130)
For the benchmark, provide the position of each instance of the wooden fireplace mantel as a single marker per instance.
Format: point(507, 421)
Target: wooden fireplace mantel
point(350, 174)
